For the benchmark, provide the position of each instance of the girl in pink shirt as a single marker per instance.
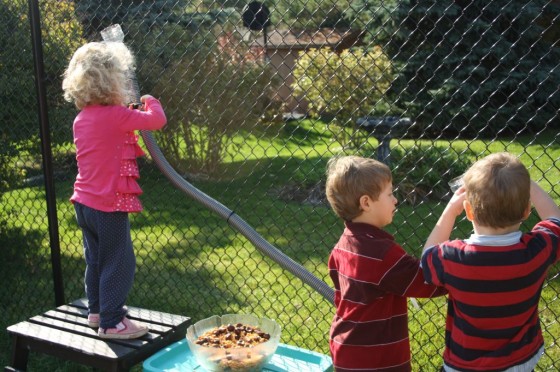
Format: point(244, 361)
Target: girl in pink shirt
point(105, 191)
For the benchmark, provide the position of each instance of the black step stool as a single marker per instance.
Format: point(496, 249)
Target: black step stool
point(64, 333)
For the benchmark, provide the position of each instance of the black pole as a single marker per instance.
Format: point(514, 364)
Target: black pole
point(265, 40)
point(34, 18)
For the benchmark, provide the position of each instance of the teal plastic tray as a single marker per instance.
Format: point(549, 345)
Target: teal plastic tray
point(178, 358)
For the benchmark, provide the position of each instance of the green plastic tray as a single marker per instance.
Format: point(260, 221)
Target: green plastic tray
point(178, 358)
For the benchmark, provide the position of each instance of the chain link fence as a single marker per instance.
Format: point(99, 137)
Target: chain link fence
point(256, 107)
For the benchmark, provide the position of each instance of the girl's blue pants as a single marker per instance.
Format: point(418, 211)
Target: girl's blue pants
point(110, 262)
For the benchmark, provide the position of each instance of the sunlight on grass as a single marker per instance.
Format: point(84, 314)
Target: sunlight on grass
point(192, 262)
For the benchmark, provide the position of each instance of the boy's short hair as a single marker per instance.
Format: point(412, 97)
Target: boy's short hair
point(499, 189)
point(351, 177)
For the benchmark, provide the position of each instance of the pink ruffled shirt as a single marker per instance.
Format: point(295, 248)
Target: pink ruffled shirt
point(106, 152)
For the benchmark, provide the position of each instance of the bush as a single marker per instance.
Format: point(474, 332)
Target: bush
point(218, 91)
point(19, 132)
point(61, 36)
point(346, 85)
point(422, 172)
point(310, 14)
point(8, 174)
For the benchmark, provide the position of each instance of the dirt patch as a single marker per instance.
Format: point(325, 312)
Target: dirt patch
point(315, 194)
point(304, 194)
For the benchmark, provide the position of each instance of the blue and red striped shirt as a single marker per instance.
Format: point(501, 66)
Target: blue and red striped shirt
point(494, 290)
point(372, 276)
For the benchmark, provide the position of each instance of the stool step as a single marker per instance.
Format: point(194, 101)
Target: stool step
point(64, 333)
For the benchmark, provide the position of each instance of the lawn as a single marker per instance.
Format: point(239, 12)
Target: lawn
point(191, 262)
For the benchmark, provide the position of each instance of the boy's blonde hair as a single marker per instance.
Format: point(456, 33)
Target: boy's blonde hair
point(351, 177)
point(499, 189)
point(98, 75)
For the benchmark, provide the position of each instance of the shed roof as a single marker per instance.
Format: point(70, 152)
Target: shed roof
point(305, 39)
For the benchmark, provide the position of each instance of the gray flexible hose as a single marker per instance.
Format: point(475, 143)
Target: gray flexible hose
point(234, 220)
point(114, 33)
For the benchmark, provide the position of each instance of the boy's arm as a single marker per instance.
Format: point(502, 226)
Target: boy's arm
point(543, 203)
point(405, 278)
point(444, 226)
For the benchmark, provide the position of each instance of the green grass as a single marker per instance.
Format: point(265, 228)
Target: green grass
point(191, 262)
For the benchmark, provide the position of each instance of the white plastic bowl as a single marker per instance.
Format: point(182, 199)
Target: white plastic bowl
point(238, 359)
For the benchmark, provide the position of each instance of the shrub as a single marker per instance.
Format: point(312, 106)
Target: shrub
point(350, 84)
point(8, 174)
point(19, 132)
point(60, 31)
point(421, 172)
point(217, 92)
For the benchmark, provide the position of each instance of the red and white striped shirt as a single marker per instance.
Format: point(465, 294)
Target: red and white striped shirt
point(372, 276)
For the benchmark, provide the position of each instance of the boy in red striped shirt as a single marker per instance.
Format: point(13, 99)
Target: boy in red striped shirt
point(494, 277)
point(372, 274)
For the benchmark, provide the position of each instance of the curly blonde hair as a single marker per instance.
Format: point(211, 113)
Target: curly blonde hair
point(98, 75)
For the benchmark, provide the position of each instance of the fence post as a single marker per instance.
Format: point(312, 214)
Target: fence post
point(38, 63)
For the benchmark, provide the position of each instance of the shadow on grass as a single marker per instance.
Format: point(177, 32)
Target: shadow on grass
point(303, 132)
point(191, 262)
point(282, 223)
point(26, 290)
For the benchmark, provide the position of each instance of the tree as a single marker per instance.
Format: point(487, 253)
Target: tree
point(310, 14)
point(60, 36)
point(476, 67)
point(346, 85)
point(212, 92)
point(18, 113)
point(374, 18)
point(95, 15)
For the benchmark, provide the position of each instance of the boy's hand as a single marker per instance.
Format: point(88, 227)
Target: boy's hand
point(545, 206)
point(444, 226)
point(455, 205)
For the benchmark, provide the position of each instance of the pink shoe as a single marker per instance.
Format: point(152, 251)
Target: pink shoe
point(125, 329)
point(93, 320)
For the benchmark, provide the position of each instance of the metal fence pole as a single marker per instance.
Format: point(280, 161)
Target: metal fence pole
point(34, 18)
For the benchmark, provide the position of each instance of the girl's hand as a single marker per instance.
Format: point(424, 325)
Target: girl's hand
point(144, 97)
point(136, 106)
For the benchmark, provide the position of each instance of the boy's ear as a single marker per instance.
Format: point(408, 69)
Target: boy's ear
point(527, 212)
point(468, 210)
point(364, 202)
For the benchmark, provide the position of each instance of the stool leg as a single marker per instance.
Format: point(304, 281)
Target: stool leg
point(20, 354)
